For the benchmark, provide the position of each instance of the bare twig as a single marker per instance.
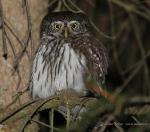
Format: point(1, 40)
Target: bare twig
point(29, 31)
point(15, 98)
point(68, 7)
point(5, 51)
point(126, 82)
point(138, 63)
point(17, 110)
point(120, 129)
point(43, 124)
point(34, 111)
point(17, 60)
point(140, 45)
point(131, 8)
point(68, 118)
point(14, 33)
point(52, 2)
point(115, 53)
point(109, 119)
point(51, 119)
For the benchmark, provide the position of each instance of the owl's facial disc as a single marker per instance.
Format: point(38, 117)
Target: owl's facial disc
point(67, 29)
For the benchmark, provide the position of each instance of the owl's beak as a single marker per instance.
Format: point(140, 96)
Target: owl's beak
point(66, 33)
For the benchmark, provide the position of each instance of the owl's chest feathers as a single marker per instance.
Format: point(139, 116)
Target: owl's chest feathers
point(67, 69)
point(62, 69)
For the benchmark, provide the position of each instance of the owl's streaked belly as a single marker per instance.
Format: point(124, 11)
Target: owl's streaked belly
point(62, 71)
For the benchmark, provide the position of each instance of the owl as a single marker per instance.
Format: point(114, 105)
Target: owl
point(68, 55)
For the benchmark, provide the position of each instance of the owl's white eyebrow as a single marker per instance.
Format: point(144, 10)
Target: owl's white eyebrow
point(73, 22)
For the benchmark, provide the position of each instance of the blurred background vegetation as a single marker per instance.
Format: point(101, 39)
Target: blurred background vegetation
point(123, 27)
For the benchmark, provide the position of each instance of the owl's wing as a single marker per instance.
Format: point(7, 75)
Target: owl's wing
point(96, 56)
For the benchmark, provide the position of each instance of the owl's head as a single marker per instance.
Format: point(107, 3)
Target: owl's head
point(65, 25)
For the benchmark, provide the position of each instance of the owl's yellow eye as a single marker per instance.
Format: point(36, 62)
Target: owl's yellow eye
point(75, 26)
point(56, 26)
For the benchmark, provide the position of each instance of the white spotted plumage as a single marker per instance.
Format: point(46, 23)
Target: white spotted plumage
point(70, 75)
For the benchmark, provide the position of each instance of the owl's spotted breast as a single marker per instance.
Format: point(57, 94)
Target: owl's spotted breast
point(65, 71)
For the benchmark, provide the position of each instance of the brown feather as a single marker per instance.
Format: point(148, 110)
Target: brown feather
point(95, 53)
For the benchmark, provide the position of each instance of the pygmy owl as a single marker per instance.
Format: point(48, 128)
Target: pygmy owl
point(68, 55)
